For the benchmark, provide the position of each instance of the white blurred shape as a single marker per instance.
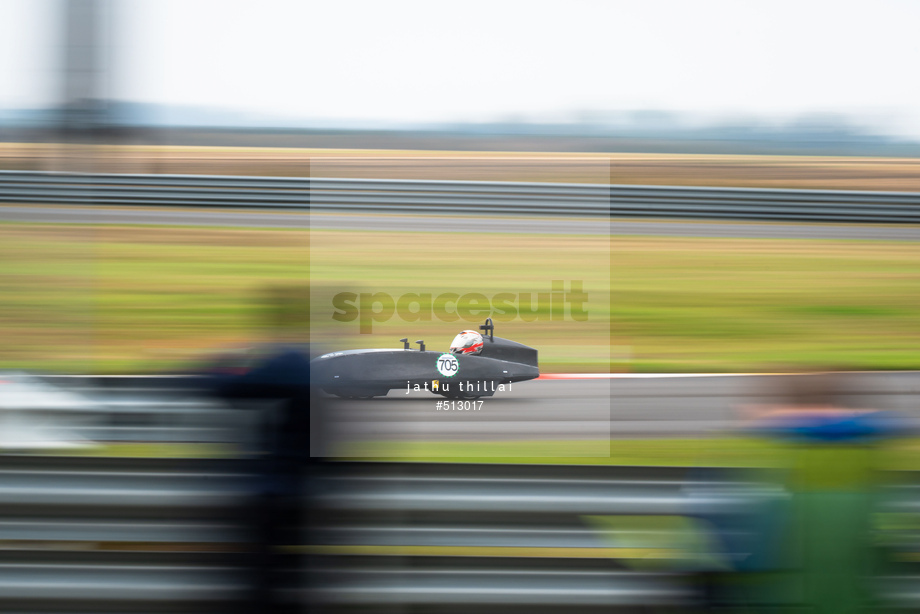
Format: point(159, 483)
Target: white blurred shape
point(30, 414)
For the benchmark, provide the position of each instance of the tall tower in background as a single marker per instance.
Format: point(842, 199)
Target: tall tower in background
point(83, 110)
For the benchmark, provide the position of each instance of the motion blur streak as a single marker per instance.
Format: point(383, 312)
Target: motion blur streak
point(728, 425)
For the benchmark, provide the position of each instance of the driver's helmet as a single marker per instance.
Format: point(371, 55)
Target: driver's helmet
point(467, 342)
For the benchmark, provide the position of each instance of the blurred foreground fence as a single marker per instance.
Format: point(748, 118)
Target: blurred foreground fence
point(457, 197)
point(158, 535)
point(174, 535)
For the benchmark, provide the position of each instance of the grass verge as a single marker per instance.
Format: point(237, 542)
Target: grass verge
point(143, 299)
point(739, 452)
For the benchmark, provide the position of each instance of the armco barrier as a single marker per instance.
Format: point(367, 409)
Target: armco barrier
point(457, 197)
point(157, 535)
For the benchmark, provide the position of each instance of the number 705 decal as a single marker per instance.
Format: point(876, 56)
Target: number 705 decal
point(448, 365)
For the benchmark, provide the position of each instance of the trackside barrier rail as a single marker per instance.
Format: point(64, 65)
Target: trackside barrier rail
point(457, 197)
point(157, 535)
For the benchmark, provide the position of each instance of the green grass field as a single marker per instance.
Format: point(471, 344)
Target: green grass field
point(135, 299)
point(729, 451)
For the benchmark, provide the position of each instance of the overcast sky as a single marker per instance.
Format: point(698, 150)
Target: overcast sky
point(409, 61)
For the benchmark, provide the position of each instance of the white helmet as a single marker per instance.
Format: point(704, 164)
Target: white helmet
point(467, 342)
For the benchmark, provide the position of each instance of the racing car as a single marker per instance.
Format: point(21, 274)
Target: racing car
point(476, 365)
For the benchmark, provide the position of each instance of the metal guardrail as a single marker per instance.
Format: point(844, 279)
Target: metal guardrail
point(118, 409)
point(108, 534)
point(115, 534)
point(458, 197)
point(103, 535)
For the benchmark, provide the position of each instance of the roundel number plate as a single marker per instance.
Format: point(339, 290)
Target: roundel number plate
point(448, 365)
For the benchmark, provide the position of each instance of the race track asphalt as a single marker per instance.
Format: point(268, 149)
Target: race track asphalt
point(434, 223)
point(627, 407)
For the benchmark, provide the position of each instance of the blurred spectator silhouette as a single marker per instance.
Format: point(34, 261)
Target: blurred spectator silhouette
point(811, 548)
point(274, 379)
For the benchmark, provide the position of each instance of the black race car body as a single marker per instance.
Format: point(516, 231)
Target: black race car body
point(374, 372)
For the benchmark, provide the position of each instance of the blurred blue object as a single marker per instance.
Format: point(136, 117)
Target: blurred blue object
point(832, 426)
